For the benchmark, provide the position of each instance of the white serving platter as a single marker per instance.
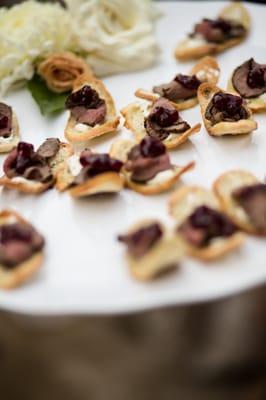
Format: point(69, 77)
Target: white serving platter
point(84, 271)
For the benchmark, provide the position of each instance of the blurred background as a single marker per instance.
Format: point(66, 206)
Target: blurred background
point(11, 2)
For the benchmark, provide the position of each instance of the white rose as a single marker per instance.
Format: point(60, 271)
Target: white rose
point(117, 35)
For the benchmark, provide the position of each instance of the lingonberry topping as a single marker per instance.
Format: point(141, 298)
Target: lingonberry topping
point(85, 157)
point(188, 81)
point(151, 147)
point(25, 151)
point(165, 117)
point(220, 23)
point(3, 121)
point(99, 163)
point(228, 103)
point(85, 97)
point(214, 222)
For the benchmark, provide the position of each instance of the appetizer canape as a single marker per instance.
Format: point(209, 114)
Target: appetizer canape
point(224, 113)
point(30, 171)
point(21, 250)
point(159, 119)
point(182, 90)
point(9, 128)
point(211, 36)
point(90, 173)
point(208, 232)
point(249, 81)
point(92, 111)
point(243, 197)
point(151, 250)
point(147, 166)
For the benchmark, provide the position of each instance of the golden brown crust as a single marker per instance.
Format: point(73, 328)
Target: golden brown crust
point(7, 147)
point(146, 95)
point(181, 105)
point(11, 278)
point(236, 11)
point(109, 182)
point(33, 187)
point(218, 248)
point(25, 186)
point(182, 203)
point(256, 104)
point(205, 93)
point(161, 258)
point(223, 188)
point(150, 189)
point(176, 140)
point(22, 273)
point(207, 68)
point(112, 120)
point(134, 115)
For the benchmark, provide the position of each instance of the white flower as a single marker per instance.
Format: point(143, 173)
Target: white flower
point(113, 36)
point(117, 35)
point(29, 31)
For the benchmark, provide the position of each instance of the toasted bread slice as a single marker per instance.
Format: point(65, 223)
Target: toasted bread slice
point(8, 144)
point(33, 187)
point(161, 258)
point(256, 104)
point(75, 135)
point(182, 204)
point(223, 188)
point(205, 93)
point(207, 69)
point(134, 115)
point(192, 48)
point(11, 278)
point(163, 181)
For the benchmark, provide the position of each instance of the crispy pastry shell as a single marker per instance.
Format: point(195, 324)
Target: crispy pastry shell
point(157, 188)
point(207, 68)
point(11, 278)
point(109, 182)
point(182, 204)
point(112, 120)
point(34, 187)
point(134, 115)
point(163, 256)
point(235, 11)
point(120, 150)
point(205, 93)
point(223, 188)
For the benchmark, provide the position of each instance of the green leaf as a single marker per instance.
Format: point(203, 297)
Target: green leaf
point(50, 103)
